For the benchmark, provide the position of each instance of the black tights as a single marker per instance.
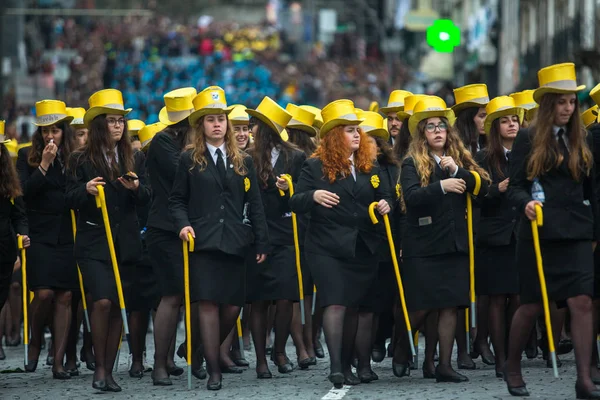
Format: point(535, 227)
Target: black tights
point(258, 326)
point(340, 324)
point(107, 327)
point(165, 331)
point(138, 327)
point(501, 313)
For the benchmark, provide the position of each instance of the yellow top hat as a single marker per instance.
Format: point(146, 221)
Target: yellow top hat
point(499, 107)
point(475, 95)
point(77, 113)
point(318, 122)
point(134, 125)
point(338, 113)
point(590, 116)
point(271, 114)
point(410, 102)
point(178, 105)
point(595, 94)
point(395, 102)
point(301, 119)
point(557, 78)
point(107, 101)
point(524, 99)
point(431, 106)
point(50, 112)
point(3, 138)
point(147, 132)
point(212, 101)
point(373, 124)
point(12, 146)
point(238, 115)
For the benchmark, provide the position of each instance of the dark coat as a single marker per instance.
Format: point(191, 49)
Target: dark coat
point(13, 221)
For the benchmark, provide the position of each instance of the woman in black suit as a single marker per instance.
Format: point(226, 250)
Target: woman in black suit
point(435, 181)
point(496, 272)
point(213, 182)
point(336, 187)
point(41, 169)
point(552, 166)
point(105, 160)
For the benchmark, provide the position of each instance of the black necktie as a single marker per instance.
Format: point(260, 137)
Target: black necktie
point(562, 145)
point(508, 155)
point(220, 165)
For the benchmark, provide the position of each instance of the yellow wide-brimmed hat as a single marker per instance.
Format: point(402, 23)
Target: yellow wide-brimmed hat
point(107, 101)
point(3, 138)
point(373, 124)
point(178, 105)
point(395, 102)
point(50, 112)
point(338, 113)
point(211, 101)
point(272, 114)
point(238, 115)
point(499, 107)
point(134, 126)
point(301, 119)
point(590, 116)
point(318, 122)
point(148, 132)
point(475, 95)
point(429, 107)
point(77, 113)
point(557, 78)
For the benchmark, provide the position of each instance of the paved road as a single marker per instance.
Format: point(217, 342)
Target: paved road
point(310, 384)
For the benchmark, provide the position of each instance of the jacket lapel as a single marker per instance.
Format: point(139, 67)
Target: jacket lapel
point(361, 180)
point(210, 165)
point(347, 183)
point(438, 172)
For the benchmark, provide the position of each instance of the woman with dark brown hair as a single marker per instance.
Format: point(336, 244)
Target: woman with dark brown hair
point(552, 167)
point(336, 187)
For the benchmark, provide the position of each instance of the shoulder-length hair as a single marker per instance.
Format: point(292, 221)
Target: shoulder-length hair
point(333, 153)
point(467, 130)
point(67, 144)
point(545, 153)
point(198, 148)
point(495, 149)
point(302, 140)
point(402, 141)
point(10, 186)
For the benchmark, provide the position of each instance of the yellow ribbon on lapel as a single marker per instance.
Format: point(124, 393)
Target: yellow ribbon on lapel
point(375, 181)
point(398, 191)
point(246, 184)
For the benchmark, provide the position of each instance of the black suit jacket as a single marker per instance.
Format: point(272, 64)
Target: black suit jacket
point(44, 196)
point(391, 173)
point(215, 209)
point(13, 221)
point(499, 216)
point(334, 231)
point(122, 206)
point(571, 207)
point(436, 223)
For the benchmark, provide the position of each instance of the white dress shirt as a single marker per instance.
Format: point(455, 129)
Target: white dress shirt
point(352, 169)
point(274, 156)
point(213, 152)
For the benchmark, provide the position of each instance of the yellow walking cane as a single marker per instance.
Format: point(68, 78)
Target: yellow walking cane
point(388, 230)
point(472, 252)
point(81, 288)
point(288, 179)
point(187, 248)
point(539, 221)
point(101, 204)
point(25, 297)
point(240, 334)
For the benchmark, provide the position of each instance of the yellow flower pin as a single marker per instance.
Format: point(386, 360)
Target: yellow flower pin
point(397, 190)
point(246, 184)
point(375, 181)
point(12, 201)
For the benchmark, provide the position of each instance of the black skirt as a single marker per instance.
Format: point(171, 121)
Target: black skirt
point(308, 283)
point(145, 296)
point(436, 282)
point(51, 266)
point(568, 268)
point(99, 279)
point(385, 289)
point(218, 277)
point(166, 254)
point(496, 270)
point(274, 279)
point(597, 273)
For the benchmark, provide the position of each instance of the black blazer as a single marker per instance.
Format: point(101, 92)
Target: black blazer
point(44, 196)
point(13, 220)
point(391, 173)
point(334, 231)
point(122, 206)
point(436, 223)
point(215, 209)
point(498, 222)
point(571, 207)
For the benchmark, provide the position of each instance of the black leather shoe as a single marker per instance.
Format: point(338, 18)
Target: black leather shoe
point(182, 351)
point(100, 385)
point(367, 376)
point(427, 374)
point(241, 362)
point(453, 377)
point(378, 352)
point(564, 346)
point(61, 375)
point(264, 375)
point(581, 393)
point(161, 382)
point(136, 374)
point(113, 387)
point(466, 365)
point(284, 368)
point(31, 366)
point(337, 378)
point(400, 370)
point(199, 373)
point(304, 364)
point(531, 352)
point(313, 360)
point(319, 349)
point(231, 369)
point(351, 379)
point(175, 371)
point(517, 391)
point(214, 385)
point(73, 371)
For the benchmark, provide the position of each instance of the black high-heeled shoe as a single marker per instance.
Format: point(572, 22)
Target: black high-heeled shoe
point(318, 347)
point(113, 387)
point(453, 377)
point(100, 385)
point(214, 385)
point(241, 362)
point(31, 366)
point(351, 379)
point(73, 371)
point(427, 374)
point(581, 393)
point(284, 368)
point(304, 364)
point(89, 364)
point(367, 376)
point(400, 369)
point(337, 378)
point(175, 370)
point(517, 391)
point(136, 374)
point(231, 369)
point(378, 352)
point(313, 360)
point(200, 373)
point(264, 375)
point(61, 375)
point(162, 381)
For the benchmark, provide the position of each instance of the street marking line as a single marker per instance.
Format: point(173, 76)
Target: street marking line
point(336, 394)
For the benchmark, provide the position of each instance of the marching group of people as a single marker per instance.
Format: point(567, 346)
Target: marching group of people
point(275, 204)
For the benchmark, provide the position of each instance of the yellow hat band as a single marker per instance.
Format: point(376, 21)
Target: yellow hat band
point(484, 99)
point(564, 84)
point(48, 119)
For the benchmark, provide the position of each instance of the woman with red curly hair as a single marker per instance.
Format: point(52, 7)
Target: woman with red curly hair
point(336, 186)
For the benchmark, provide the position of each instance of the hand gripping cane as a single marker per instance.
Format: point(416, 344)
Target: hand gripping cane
point(539, 221)
point(81, 288)
point(188, 247)
point(25, 297)
point(476, 190)
point(388, 231)
point(288, 179)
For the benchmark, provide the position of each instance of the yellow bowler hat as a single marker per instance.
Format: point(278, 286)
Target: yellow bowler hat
point(557, 78)
point(212, 101)
point(3, 138)
point(301, 119)
point(178, 105)
point(238, 115)
point(147, 132)
point(590, 116)
point(373, 124)
point(318, 122)
point(107, 101)
point(272, 114)
point(77, 113)
point(134, 125)
point(338, 113)
point(395, 102)
point(475, 95)
point(50, 112)
point(499, 107)
point(431, 106)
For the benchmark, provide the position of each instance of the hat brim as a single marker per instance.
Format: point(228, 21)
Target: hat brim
point(414, 120)
point(381, 133)
point(95, 111)
point(468, 104)
point(196, 115)
point(539, 92)
point(491, 117)
point(265, 119)
point(5, 141)
point(163, 117)
point(66, 119)
point(387, 110)
point(329, 125)
point(309, 129)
